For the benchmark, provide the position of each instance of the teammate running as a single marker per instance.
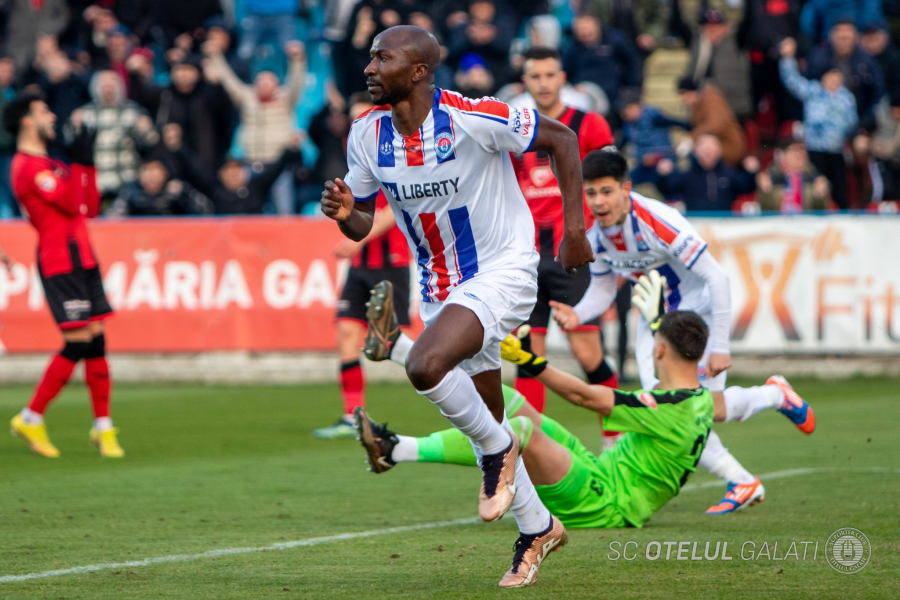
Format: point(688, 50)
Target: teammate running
point(623, 486)
point(443, 162)
point(543, 77)
point(58, 199)
point(632, 235)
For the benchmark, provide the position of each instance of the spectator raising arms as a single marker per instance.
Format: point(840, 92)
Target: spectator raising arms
point(267, 111)
point(123, 128)
point(829, 118)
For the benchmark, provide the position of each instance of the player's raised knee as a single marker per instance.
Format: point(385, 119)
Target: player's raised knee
point(426, 367)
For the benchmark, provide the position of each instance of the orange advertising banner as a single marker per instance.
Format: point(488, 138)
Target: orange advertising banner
point(190, 285)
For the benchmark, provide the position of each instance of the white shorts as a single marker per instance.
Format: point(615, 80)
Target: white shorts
point(643, 353)
point(502, 300)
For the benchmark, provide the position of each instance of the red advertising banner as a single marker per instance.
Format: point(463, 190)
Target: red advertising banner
point(190, 285)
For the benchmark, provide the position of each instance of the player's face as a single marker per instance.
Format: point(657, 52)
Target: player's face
point(544, 79)
point(388, 73)
point(44, 121)
point(608, 200)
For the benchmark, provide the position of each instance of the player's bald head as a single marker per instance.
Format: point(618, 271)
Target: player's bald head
point(419, 45)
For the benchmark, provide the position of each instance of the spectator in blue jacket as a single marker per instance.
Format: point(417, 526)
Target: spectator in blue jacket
point(862, 74)
point(264, 16)
point(709, 184)
point(604, 56)
point(819, 16)
point(829, 118)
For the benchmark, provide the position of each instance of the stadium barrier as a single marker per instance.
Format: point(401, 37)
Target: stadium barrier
point(803, 285)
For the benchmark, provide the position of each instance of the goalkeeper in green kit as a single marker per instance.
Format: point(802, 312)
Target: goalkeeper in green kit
point(665, 429)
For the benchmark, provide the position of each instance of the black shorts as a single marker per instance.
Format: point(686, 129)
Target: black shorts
point(557, 285)
point(358, 288)
point(76, 298)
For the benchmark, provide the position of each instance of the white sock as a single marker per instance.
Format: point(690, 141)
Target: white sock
point(31, 417)
point(401, 349)
point(461, 404)
point(743, 403)
point(406, 450)
point(530, 513)
point(103, 423)
point(718, 460)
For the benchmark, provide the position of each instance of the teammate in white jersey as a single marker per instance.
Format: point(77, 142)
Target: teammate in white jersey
point(443, 162)
point(633, 235)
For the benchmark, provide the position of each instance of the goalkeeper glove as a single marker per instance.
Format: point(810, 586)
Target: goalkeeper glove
point(531, 364)
point(648, 297)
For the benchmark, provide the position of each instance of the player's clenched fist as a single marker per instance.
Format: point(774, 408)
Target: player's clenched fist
point(574, 252)
point(337, 200)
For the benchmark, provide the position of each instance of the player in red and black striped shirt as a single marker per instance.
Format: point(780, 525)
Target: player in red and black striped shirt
point(58, 199)
point(544, 79)
point(382, 255)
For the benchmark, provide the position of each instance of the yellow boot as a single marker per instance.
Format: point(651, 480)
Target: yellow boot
point(35, 435)
point(107, 442)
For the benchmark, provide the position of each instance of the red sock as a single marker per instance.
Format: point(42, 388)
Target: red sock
point(533, 390)
point(56, 376)
point(96, 376)
point(353, 386)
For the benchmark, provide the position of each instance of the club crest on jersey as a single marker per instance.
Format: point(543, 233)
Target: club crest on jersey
point(647, 400)
point(443, 145)
point(641, 244)
point(386, 148)
point(46, 181)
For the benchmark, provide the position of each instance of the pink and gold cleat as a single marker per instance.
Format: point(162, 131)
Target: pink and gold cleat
point(498, 484)
point(531, 550)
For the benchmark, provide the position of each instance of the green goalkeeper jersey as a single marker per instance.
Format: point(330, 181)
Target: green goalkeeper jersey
point(665, 432)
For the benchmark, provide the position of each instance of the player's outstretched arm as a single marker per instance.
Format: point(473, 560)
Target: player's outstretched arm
point(593, 397)
point(354, 218)
point(562, 144)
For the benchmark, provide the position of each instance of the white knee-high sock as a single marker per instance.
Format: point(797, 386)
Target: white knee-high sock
point(718, 460)
point(461, 404)
point(401, 349)
point(530, 513)
point(743, 403)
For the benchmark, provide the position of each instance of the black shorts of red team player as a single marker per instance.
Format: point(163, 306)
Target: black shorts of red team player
point(75, 298)
point(557, 285)
point(358, 288)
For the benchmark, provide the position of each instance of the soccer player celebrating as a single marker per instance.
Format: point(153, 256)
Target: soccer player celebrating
point(544, 79)
point(632, 235)
point(382, 255)
point(58, 199)
point(666, 430)
point(443, 162)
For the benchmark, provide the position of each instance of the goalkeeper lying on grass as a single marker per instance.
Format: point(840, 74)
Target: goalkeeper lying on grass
point(666, 430)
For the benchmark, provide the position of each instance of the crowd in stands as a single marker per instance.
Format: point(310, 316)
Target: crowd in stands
point(783, 105)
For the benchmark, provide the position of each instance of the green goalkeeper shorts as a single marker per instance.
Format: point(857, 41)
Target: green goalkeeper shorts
point(583, 497)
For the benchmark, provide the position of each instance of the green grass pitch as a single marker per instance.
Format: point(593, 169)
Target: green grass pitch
point(229, 467)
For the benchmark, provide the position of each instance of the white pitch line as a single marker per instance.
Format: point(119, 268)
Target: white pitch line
point(377, 532)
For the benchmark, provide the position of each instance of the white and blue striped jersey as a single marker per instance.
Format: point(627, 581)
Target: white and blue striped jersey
point(653, 236)
point(451, 186)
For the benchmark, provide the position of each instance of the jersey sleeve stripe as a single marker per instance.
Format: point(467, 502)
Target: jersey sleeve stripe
point(696, 256)
point(663, 230)
point(367, 198)
point(486, 107)
point(537, 122)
